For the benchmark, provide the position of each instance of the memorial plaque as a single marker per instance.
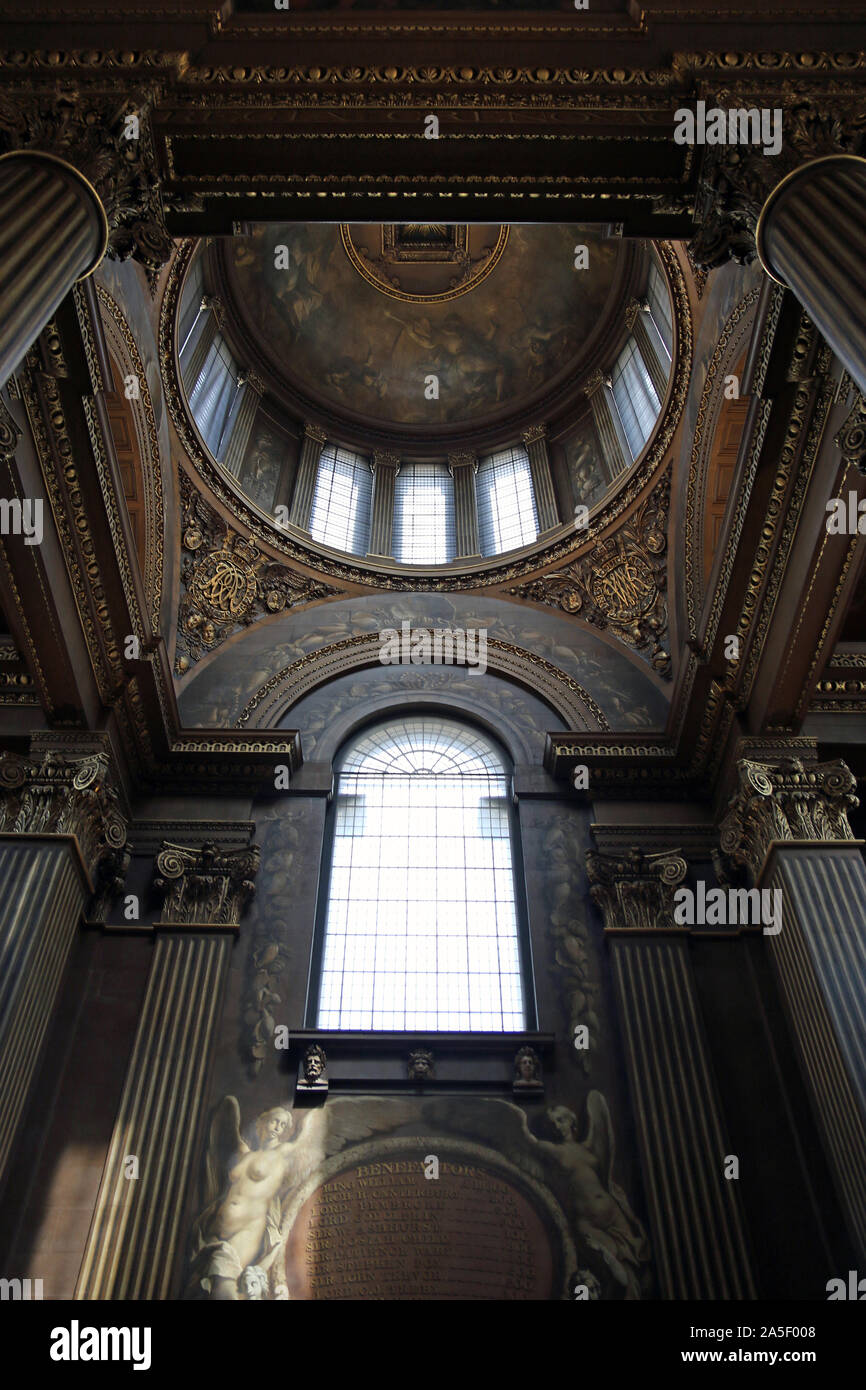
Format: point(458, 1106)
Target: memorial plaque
point(382, 1230)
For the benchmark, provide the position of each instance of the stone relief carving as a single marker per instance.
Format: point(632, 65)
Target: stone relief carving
point(253, 1182)
point(621, 586)
point(573, 965)
point(270, 957)
point(228, 582)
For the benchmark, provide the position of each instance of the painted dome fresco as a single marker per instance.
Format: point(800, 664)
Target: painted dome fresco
point(422, 326)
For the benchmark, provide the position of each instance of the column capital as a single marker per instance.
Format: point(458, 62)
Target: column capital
point(635, 891)
point(786, 801)
point(534, 433)
point(250, 377)
point(106, 138)
point(216, 306)
point(461, 458)
point(205, 886)
point(56, 793)
point(385, 458)
point(315, 432)
point(736, 179)
point(632, 310)
point(595, 381)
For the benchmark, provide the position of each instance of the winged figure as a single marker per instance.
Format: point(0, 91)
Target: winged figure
point(236, 1239)
point(577, 1168)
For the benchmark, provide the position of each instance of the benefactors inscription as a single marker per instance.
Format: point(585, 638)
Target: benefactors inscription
point(385, 1230)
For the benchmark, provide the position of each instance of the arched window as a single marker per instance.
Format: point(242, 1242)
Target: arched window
point(421, 923)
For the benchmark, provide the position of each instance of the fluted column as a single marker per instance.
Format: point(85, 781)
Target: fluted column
point(599, 395)
point(133, 1239)
point(253, 390)
point(695, 1212)
point(305, 480)
point(60, 829)
point(636, 317)
point(788, 825)
point(535, 440)
point(810, 236)
point(386, 466)
point(78, 178)
point(53, 230)
point(462, 465)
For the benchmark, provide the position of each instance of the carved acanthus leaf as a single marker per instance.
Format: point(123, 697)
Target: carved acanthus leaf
point(206, 885)
point(92, 132)
point(53, 793)
point(786, 801)
point(635, 891)
point(736, 180)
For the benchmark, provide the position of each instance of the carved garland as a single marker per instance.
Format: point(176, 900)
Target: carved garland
point(727, 347)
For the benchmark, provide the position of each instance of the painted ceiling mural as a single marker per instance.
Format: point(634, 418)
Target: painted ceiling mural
point(222, 683)
point(363, 317)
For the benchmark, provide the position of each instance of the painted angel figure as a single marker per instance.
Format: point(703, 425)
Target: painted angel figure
point(240, 1226)
point(577, 1168)
point(238, 1235)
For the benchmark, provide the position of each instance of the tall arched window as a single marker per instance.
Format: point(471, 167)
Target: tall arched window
point(421, 924)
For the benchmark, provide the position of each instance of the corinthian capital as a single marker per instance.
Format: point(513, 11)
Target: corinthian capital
point(50, 793)
point(635, 891)
point(106, 137)
point(736, 180)
point(786, 801)
point(205, 886)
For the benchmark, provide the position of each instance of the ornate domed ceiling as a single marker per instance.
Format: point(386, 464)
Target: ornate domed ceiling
point(361, 319)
